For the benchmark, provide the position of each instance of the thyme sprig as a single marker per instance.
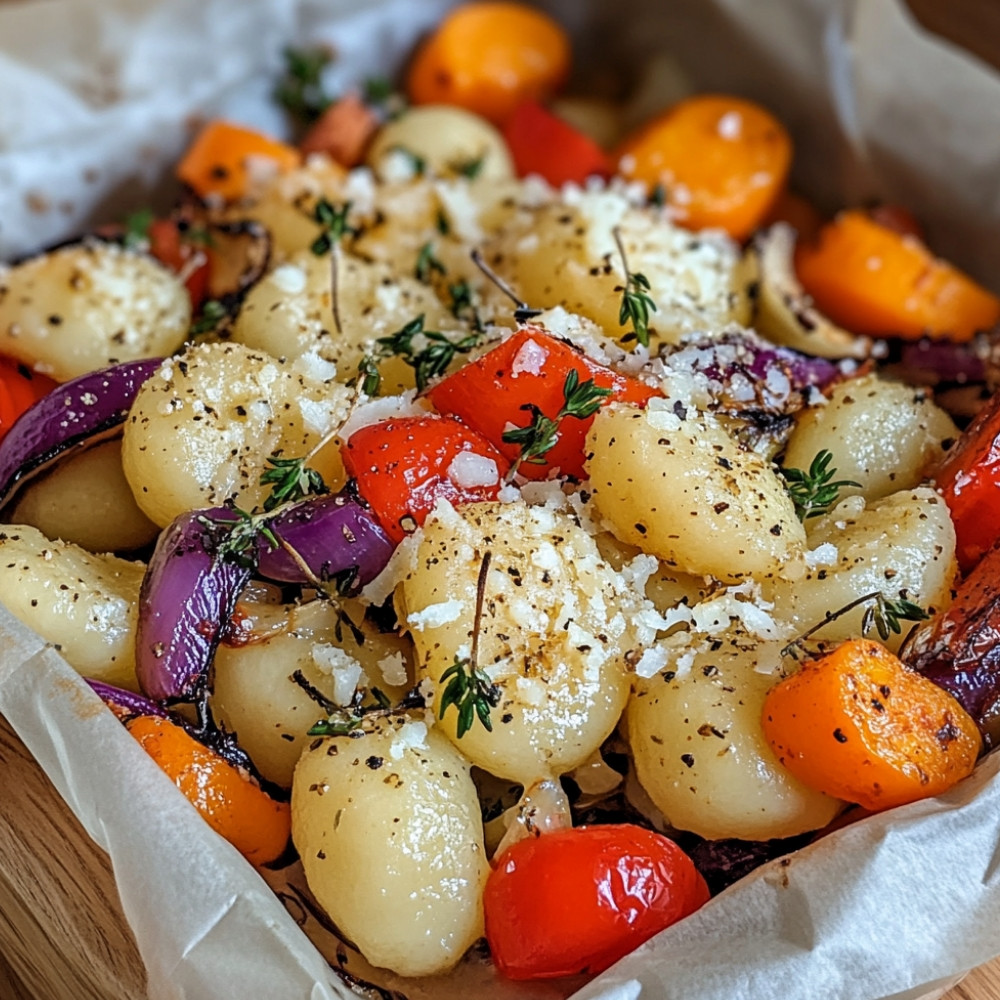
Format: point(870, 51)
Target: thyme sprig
point(814, 492)
point(637, 303)
point(522, 311)
point(300, 90)
point(428, 358)
point(236, 541)
point(469, 168)
point(468, 688)
point(342, 720)
point(884, 614)
point(580, 400)
point(428, 264)
point(213, 312)
point(333, 219)
point(137, 225)
point(290, 479)
point(463, 304)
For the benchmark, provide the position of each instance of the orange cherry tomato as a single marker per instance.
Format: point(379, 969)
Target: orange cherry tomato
point(969, 481)
point(20, 388)
point(232, 805)
point(722, 162)
point(529, 369)
point(540, 143)
point(578, 900)
point(405, 465)
point(490, 57)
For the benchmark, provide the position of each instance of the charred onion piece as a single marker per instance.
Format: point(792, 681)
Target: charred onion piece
point(187, 596)
point(335, 537)
point(959, 649)
point(80, 413)
point(126, 704)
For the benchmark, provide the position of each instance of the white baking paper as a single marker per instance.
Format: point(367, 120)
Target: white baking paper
point(98, 99)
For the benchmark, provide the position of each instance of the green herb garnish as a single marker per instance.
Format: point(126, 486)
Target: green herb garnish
point(814, 492)
point(428, 264)
point(537, 439)
point(418, 163)
point(431, 360)
point(137, 229)
point(470, 168)
point(333, 219)
point(300, 89)
point(637, 303)
point(290, 480)
point(213, 312)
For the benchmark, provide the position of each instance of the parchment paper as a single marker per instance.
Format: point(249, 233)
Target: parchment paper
point(98, 100)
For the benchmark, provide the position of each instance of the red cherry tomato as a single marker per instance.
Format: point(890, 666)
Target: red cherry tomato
point(169, 244)
point(405, 465)
point(969, 481)
point(20, 388)
point(578, 900)
point(543, 144)
point(530, 368)
point(897, 218)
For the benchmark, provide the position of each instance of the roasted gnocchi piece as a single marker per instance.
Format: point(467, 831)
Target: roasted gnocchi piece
point(85, 604)
point(699, 748)
point(83, 307)
point(553, 637)
point(202, 427)
point(681, 489)
point(391, 839)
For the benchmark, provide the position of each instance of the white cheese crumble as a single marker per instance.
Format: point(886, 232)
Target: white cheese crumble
point(410, 736)
point(435, 615)
point(469, 470)
point(393, 669)
point(289, 278)
point(343, 669)
point(823, 555)
point(530, 358)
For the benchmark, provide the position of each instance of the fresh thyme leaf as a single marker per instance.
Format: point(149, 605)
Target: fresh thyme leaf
point(658, 196)
point(300, 89)
point(471, 692)
point(884, 614)
point(289, 479)
point(637, 304)
point(336, 725)
point(369, 375)
point(442, 223)
point(238, 539)
point(137, 228)
point(462, 304)
point(814, 492)
point(430, 360)
point(378, 92)
point(417, 162)
point(333, 219)
point(345, 582)
point(428, 264)
point(538, 438)
point(470, 168)
point(213, 312)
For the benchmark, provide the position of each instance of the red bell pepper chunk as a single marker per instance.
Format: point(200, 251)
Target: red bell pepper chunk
point(969, 481)
point(20, 388)
point(540, 143)
point(169, 244)
point(577, 900)
point(403, 466)
point(494, 393)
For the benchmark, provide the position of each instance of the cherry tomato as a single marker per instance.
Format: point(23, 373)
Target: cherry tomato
point(578, 900)
point(173, 247)
point(897, 218)
point(543, 144)
point(20, 388)
point(530, 369)
point(405, 465)
point(969, 481)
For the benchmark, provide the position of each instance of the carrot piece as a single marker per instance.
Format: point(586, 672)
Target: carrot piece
point(222, 158)
point(490, 57)
point(860, 726)
point(232, 805)
point(343, 131)
point(873, 280)
point(722, 161)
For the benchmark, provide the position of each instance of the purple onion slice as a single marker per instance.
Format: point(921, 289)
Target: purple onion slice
point(126, 704)
point(187, 596)
point(78, 414)
point(334, 537)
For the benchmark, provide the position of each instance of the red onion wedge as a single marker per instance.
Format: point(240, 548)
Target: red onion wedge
point(80, 413)
point(334, 537)
point(126, 704)
point(188, 594)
